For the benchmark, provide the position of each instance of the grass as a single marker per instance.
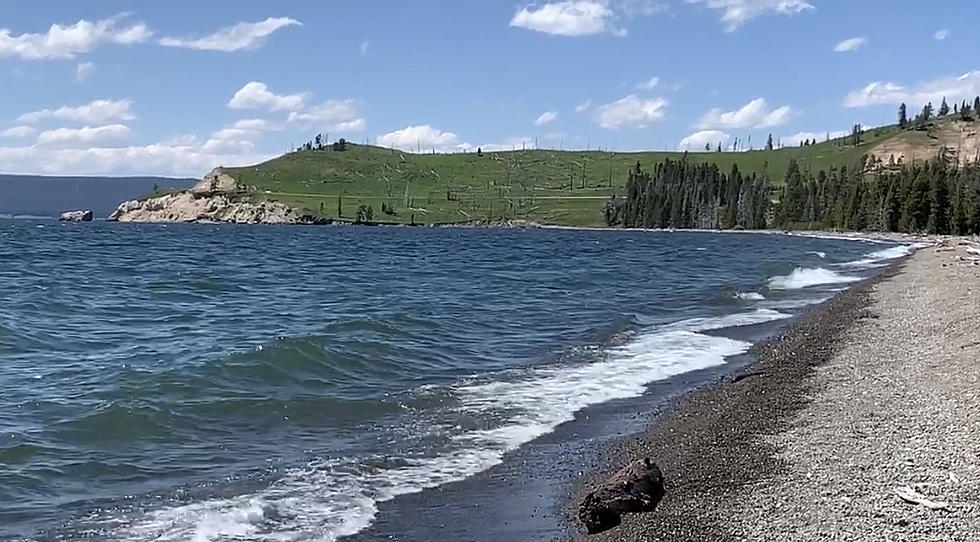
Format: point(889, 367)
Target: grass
point(547, 186)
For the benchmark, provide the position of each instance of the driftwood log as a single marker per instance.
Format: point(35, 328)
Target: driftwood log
point(637, 488)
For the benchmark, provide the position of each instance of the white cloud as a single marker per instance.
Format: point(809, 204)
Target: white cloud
point(630, 112)
point(65, 42)
point(697, 141)
point(852, 44)
point(365, 45)
point(99, 135)
point(234, 38)
point(567, 18)
point(95, 112)
point(83, 70)
point(331, 115)
point(182, 157)
point(795, 139)
point(255, 95)
point(583, 107)
point(941, 34)
point(425, 137)
point(735, 13)
point(17, 132)
point(545, 118)
point(649, 84)
point(252, 125)
point(964, 87)
point(754, 114)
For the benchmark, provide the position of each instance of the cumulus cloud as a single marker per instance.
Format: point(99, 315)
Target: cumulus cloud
point(179, 158)
point(331, 115)
point(964, 87)
point(852, 44)
point(18, 132)
point(95, 112)
point(799, 137)
point(569, 18)
point(423, 137)
point(630, 112)
point(241, 36)
point(545, 118)
point(83, 70)
point(65, 42)
point(755, 114)
point(583, 107)
point(698, 140)
point(99, 135)
point(649, 84)
point(256, 95)
point(940, 35)
point(583, 17)
point(735, 13)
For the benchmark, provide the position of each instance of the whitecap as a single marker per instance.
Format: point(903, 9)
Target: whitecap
point(740, 319)
point(323, 502)
point(805, 278)
point(749, 296)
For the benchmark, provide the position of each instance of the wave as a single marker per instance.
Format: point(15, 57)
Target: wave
point(796, 303)
point(822, 255)
point(805, 278)
point(760, 316)
point(749, 296)
point(878, 258)
point(324, 501)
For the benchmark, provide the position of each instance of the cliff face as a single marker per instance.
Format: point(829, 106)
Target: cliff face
point(216, 198)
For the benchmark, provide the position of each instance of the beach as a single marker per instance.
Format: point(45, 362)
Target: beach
point(858, 423)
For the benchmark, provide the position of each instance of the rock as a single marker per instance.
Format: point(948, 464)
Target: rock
point(76, 216)
point(637, 488)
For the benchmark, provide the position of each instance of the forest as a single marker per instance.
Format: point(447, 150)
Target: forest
point(938, 196)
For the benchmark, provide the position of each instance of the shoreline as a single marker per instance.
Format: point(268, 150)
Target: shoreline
point(724, 449)
point(520, 224)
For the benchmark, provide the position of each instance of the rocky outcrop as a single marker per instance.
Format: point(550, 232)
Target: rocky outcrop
point(187, 207)
point(76, 216)
point(216, 198)
point(637, 488)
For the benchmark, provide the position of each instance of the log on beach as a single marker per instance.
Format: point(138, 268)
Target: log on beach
point(637, 488)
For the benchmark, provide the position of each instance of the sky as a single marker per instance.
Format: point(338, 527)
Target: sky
point(176, 88)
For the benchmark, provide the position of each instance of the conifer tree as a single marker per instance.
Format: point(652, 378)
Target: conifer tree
point(769, 143)
point(944, 108)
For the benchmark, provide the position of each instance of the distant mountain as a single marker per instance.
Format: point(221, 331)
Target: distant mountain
point(51, 196)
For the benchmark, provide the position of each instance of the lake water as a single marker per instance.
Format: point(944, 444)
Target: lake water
point(195, 382)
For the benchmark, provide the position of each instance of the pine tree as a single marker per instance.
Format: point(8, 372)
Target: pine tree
point(903, 118)
point(976, 104)
point(944, 108)
point(769, 143)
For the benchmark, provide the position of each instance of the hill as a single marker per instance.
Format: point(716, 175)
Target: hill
point(548, 186)
point(50, 196)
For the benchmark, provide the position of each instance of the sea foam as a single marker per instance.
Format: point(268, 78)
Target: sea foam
point(325, 501)
point(805, 278)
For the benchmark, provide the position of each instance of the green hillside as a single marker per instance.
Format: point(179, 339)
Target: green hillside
point(547, 186)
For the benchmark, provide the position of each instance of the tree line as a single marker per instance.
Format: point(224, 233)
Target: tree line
point(938, 197)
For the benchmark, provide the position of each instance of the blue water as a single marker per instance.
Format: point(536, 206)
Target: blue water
point(277, 383)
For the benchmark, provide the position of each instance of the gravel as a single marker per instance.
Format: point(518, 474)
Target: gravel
point(877, 390)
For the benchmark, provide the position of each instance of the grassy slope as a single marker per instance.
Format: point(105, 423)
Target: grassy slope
point(554, 187)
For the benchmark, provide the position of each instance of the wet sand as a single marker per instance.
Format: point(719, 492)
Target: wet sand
point(879, 389)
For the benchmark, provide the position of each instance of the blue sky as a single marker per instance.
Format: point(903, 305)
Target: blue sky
point(176, 88)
